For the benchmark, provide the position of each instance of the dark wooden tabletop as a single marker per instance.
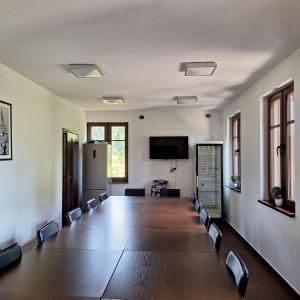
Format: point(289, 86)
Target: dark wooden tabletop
point(110, 216)
point(101, 238)
point(171, 275)
point(41, 296)
point(171, 240)
point(126, 248)
point(168, 220)
point(61, 272)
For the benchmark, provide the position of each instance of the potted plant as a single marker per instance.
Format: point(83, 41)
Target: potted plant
point(235, 180)
point(277, 195)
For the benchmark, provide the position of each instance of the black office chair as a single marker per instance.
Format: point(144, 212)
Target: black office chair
point(216, 235)
point(170, 193)
point(73, 215)
point(198, 206)
point(135, 192)
point(205, 217)
point(10, 255)
point(238, 270)
point(91, 204)
point(193, 198)
point(103, 196)
point(47, 231)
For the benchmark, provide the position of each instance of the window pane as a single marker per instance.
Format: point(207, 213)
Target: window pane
point(235, 166)
point(235, 157)
point(118, 133)
point(234, 127)
point(98, 133)
point(291, 161)
point(275, 159)
point(118, 158)
point(275, 112)
point(290, 107)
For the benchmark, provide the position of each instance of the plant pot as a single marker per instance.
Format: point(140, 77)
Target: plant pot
point(278, 201)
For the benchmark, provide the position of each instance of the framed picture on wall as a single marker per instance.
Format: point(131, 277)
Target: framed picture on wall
point(5, 131)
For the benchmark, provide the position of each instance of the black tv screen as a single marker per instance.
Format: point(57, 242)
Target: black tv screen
point(169, 147)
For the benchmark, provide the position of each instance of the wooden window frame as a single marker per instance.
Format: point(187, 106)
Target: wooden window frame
point(282, 96)
point(107, 134)
point(236, 117)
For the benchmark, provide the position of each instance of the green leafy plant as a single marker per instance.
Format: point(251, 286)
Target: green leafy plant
point(235, 178)
point(276, 192)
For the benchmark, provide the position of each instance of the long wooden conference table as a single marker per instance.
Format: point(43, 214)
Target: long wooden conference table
point(133, 248)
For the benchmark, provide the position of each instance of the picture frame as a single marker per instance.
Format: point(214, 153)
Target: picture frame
point(5, 131)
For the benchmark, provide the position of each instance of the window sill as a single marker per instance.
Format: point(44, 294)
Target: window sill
point(284, 210)
point(238, 190)
point(119, 181)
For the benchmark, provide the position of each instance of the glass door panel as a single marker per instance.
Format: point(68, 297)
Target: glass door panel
point(209, 175)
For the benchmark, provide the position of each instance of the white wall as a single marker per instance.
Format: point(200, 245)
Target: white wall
point(31, 184)
point(275, 236)
point(159, 122)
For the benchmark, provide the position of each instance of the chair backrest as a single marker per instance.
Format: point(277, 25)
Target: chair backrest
point(10, 255)
point(46, 231)
point(103, 196)
point(204, 217)
point(216, 235)
point(92, 203)
point(198, 206)
point(74, 214)
point(193, 198)
point(201, 204)
point(239, 271)
point(170, 193)
point(135, 192)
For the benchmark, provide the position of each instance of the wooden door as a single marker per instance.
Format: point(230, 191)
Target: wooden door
point(70, 197)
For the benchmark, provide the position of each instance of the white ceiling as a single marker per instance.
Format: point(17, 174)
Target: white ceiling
point(139, 44)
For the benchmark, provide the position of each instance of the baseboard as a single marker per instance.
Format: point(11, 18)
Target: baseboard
point(259, 256)
point(29, 245)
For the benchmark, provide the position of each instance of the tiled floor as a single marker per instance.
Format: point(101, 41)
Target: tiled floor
point(264, 283)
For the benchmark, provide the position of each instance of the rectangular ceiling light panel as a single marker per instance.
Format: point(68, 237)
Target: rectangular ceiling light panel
point(85, 70)
point(200, 68)
point(186, 99)
point(113, 100)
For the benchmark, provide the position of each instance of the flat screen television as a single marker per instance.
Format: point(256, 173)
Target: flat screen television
point(169, 147)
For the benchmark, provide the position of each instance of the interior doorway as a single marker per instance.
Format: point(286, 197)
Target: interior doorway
point(70, 196)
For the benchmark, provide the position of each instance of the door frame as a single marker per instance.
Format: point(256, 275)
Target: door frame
point(64, 162)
